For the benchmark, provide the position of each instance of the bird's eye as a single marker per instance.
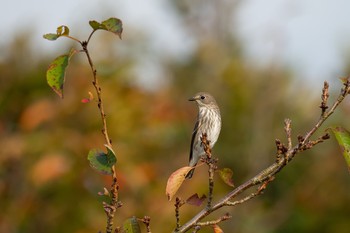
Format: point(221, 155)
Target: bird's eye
point(202, 97)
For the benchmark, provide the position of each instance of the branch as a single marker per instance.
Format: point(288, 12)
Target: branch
point(289, 152)
point(211, 162)
point(147, 221)
point(214, 222)
point(110, 208)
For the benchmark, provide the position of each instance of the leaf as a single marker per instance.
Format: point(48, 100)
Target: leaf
point(343, 138)
point(217, 229)
point(114, 25)
point(51, 36)
point(55, 74)
point(110, 152)
point(226, 176)
point(101, 161)
point(175, 180)
point(196, 200)
point(131, 225)
point(95, 25)
point(62, 30)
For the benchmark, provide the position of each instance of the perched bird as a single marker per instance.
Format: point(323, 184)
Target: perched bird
point(208, 122)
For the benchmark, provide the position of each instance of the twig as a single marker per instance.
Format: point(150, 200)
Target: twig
point(147, 221)
point(324, 97)
point(178, 204)
point(288, 129)
point(273, 169)
point(252, 195)
point(344, 91)
point(214, 222)
point(211, 162)
point(114, 204)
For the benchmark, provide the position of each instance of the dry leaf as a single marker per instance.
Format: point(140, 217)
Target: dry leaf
point(175, 180)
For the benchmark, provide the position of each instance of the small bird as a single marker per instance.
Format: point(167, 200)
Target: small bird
point(208, 122)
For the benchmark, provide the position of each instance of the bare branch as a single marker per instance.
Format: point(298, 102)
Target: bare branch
point(267, 175)
point(147, 221)
point(288, 129)
point(211, 162)
point(178, 204)
point(324, 98)
point(214, 222)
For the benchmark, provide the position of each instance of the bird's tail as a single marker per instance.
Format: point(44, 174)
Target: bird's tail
point(190, 173)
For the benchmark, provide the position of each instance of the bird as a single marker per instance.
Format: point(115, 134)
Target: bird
point(208, 122)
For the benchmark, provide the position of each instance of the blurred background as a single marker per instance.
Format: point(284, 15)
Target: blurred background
point(263, 61)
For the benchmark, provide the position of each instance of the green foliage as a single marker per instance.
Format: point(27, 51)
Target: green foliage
point(113, 25)
point(343, 138)
point(55, 74)
point(102, 162)
point(131, 225)
point(61, 31)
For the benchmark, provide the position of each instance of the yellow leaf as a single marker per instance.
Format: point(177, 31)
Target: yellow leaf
point(217, 229)
point(175, 180)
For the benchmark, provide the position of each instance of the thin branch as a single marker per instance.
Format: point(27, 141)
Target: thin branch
point(211, 162)
point(252, 195)
point(215, 222)
point(178, 204)
point(73, 38)
point(115, 203)
point(147, 221)
point(270, 172)
point(324, 97)
point(87, 42)
point(344, 91)
point(288, 129)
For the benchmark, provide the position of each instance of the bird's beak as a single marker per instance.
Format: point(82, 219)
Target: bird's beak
point(194, 98)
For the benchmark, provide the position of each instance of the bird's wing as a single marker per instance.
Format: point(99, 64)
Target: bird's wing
point(194, 133)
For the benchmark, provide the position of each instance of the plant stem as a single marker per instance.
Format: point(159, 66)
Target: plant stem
point(114, 204)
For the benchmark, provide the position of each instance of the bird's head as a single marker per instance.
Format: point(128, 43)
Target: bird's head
point(203, 99)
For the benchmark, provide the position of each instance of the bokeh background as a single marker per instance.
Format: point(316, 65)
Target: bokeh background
point(263, 61)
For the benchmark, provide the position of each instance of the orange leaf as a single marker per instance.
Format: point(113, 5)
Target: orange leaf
point(217, 229)
point(175, 180)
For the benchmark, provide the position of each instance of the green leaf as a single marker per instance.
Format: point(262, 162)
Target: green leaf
point(110, 152)
point(55, 74)
point(101, 161)
point(114, 25)
point(62, 30)
point(343, 138)
point(51, 36)
point(95, 25)
point(131, 225)
point(226, 176)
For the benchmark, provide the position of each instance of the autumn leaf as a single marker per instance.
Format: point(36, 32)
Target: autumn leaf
point(175, 180)
point(217, 229)
point(226, 175)
point(196, 200)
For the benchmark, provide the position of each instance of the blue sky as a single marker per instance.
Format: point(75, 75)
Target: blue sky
point(312, 36)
